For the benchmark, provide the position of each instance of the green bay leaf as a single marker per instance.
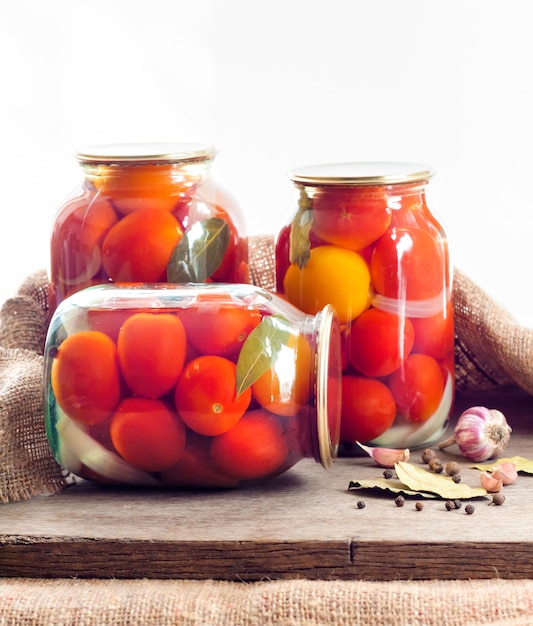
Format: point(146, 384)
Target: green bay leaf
point(260, 350)
point(299, 242)
point(420, 479)
point(522, 464)
point(199, 252)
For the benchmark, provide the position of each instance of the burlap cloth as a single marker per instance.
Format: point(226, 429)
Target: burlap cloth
point(279, 603)
point(492, 351)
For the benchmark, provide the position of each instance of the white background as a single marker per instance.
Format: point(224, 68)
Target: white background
point(274, 86)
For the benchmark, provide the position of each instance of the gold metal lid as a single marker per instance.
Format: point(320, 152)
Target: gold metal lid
point(159, 152)
point(361, 173)
point(328, 385)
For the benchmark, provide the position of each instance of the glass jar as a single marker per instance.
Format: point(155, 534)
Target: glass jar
point(189, 385)
point(364, 240)
point(147, 213)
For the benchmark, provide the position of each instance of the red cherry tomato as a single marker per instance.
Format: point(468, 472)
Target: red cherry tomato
point(368, 409)
point(85, 377)
point(418, 387)
point(147, 434)
point(254, 448)
point(75, 246)
point(434, 335)
point(206, 397)
point(137, 187)
point(408, 263)
point(379, 342)
point(139, 246)
point(151, 352)
point(195, 468)
point(217, 325)
point(351, 217)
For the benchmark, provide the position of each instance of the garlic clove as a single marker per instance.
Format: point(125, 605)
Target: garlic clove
point(386, 457)
point(490, 483)
point(506, 472)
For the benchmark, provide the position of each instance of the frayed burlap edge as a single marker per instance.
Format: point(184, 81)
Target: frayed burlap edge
point(268, 603)
point(27, 467)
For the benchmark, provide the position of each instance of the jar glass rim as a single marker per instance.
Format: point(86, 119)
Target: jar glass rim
point(328, 365)
point(361, 173)
point(148, 152)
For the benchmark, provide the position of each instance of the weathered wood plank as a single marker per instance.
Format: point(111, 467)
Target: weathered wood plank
point(302, 524)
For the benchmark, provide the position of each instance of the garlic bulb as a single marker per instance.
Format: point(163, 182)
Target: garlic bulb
point(480, 433)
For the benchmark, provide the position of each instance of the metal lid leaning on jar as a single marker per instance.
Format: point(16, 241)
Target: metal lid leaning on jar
point(361, 173)
point(156, 153)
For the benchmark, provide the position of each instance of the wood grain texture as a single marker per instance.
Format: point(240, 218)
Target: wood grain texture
point(304, 524)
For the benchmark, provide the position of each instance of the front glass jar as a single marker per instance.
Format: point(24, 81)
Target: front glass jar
point(147, 213)
point(191, 385)
point(364, 240)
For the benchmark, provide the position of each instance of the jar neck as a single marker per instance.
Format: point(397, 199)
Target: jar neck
point(392, 191)
point(135, 174)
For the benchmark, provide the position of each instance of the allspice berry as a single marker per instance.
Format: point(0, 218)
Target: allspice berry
point(435, 465)
point(428, 454)
point(452, 468)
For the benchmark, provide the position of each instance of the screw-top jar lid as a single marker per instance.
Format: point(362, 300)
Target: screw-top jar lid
point(361, 173)
point(158, 152)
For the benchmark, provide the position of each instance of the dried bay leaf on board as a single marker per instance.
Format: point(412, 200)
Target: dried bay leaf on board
point(388, 484)
point(419, 479)
point(522, 464)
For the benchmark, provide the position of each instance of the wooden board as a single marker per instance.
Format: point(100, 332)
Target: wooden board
point(305, 523)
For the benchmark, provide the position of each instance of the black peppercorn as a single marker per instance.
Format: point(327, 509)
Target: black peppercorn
point(456, 478)
point(400, 501)
point(450, 506)
point(360, 504)
point(388, 473)
point(458, 504)
point(469, 509)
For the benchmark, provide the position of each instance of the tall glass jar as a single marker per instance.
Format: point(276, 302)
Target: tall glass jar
point(189, 385)
point(147, 213)
point(364, 240)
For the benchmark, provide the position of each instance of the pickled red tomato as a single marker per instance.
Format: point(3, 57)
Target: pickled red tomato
point(139, 246)
point(408, 263)
point(332, 275)
point(351, 217)
point(145, 186)
point(195, 467)
point(418, 387)
point(379, 342)
point(205, 395)
point(254, 448)
point(147, 434)
point(151, 352)
point(76, 240)
point(217, 325)
point(85, 377)
point(368, 409)
point(434, 335)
